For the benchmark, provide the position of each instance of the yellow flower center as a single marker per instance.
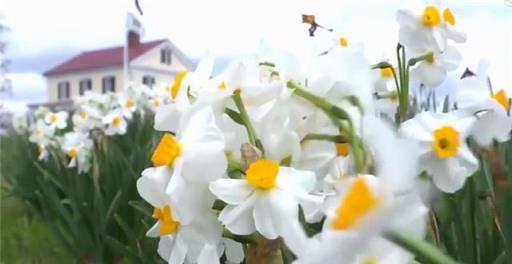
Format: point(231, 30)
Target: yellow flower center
point(53, 118)
point(167, 224)
point(222, 85)
point(431, 17)
point(177, 83)
point(446, 142)
point(386, 72)
point(342, 149)
point(155, 102)
point(116, 121)
point(72, 152)
point(166, 152)
point(501, 97)
point(358, 202)
point(343, 42)
point(370, 260)
point(84, 115)
point(262, 174)
point(448, 16)
point(38, 132)
point(128, 103)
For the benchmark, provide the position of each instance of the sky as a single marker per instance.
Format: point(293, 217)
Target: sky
point(44, 33)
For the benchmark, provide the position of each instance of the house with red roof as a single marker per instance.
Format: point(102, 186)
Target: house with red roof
point(102, 70)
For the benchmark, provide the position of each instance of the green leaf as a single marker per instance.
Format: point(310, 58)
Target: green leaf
point(123, 250)
point(235, 116)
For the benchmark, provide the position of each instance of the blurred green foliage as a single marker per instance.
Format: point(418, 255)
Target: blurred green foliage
point(98, 217)
point(25, 239)
point(474, 225)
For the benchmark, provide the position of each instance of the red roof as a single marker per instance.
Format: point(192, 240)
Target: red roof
point(101, 58)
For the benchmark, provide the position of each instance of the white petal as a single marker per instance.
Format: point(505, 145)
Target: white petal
point(451, 58)
point(203, 163)
point(231, 191)
point(413, 128)
point(238, 218)
point(198, 125)
point(494, 124)
point(454, 35)
point(447, 174)
point(204, 69)
point(439, 39)
point(467, 160)
point(295, 181)
point(406, 18)
point(154, 231)
point(165, 246)
point(179, 251)
point(167, 118)
point(151, 189)
point(264, 220)
point(208, 255)
point(430, 74)
point(234, 251)
point(188, 200)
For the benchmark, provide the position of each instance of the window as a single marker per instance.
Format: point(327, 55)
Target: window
point(63, 90)
point(108, 84)
point(165, 56)
point(148, 80)
point(84, 85)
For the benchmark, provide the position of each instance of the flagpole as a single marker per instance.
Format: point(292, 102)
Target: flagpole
point(125, 54)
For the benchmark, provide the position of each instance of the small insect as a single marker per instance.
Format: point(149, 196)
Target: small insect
point(467, 73)
point(310, 19)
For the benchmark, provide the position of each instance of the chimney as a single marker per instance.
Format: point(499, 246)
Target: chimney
point(133, 39)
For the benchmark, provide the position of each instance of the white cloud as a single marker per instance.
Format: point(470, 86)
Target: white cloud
point(234, 27)
point(28, 87)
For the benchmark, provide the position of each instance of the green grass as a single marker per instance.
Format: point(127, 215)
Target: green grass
point(25, 239)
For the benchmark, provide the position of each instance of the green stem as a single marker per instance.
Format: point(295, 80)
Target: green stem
point(249, 239)
point(253, 139)
point(425, 253)
point(335, 113)
point(319, 102)
point(331, 138)
point(473, 214)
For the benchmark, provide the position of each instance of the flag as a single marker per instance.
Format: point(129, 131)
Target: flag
point(133, 24)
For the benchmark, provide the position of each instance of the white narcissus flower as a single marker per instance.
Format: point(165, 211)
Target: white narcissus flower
point(493, 119)
point(428, 32)
point(128, 106)
point(443, 152)
point(167, 117)
point(179, 242)
point(385, 93)
point(85, 119)
point(154, 103)
point(41, 133)
point(362, 209)
point(432, 71)
point(266, 199)
point(57, 120)
point(330, 161)
point(115, 123)
point(78, 147)
point(197, 157)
